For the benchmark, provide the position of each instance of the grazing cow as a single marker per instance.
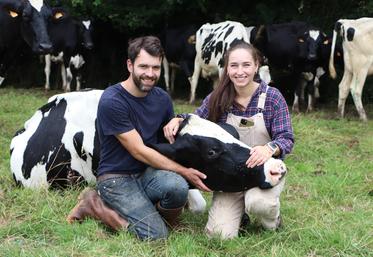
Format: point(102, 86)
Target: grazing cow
point(69, 36)
point(208, 147)
point(358, 60)
point(296, 47)
point(59, 145)
point(22, 21)
point(180, 51)
point(212, 40)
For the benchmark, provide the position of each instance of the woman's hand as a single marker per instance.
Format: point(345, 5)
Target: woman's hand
point(258, 156)
point(171, 129)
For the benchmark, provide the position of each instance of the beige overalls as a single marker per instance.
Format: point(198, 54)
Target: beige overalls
point(227, 208)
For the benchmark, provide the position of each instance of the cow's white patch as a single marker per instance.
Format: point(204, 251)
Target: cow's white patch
point(1, 80)
point(314, 34)
point(77, 61)
point(86, 24)
point(264, 74)
point(202, 127)
point(37, 4)
point(19, 144)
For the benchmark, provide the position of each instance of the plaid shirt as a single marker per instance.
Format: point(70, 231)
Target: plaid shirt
point(276, 116)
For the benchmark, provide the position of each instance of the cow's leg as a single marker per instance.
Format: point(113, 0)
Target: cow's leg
point(299, 93)
point(64, 78)
point(311, 94)
point(194, 80)
point(78, 80)
point(358, 80)
point(166, 69)
point(344, 89)
point(47, 71)
point(1, 80)
point(68, 79)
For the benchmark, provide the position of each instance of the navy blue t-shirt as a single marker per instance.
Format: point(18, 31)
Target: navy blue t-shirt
point(119, 112)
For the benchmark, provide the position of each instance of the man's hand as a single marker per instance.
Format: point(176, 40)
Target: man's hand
point(258, 156)
point(171, 129)
point(195, 177)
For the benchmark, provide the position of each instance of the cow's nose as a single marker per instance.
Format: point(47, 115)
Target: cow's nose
point(89, 46)
point(45, 47)
point(311, 57)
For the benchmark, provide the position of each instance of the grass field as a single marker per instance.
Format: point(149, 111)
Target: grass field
point(327, 206)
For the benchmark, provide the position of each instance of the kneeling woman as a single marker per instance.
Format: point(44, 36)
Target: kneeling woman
point(261, 116)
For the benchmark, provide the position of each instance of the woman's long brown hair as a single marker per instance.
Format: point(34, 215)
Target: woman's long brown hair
point(222, 98)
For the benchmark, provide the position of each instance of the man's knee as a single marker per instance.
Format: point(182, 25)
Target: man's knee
point(150, 231)
point(176, 188)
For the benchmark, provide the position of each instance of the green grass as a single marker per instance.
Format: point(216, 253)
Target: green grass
point(327, 205)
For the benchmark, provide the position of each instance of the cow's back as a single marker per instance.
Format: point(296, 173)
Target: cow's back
point(58, 139)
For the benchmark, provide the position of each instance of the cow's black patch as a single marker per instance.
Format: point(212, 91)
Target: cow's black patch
point(350, 34)
point(229, 31)
point(46, 139)
point(337, 26)
point(78, 145)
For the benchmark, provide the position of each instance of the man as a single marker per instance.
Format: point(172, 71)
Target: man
point(133, 179)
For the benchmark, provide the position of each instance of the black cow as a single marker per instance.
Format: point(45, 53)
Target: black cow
point(208, 147)
point(180, 51)
point(295, 47)
point(69, 37)
point(22, 21)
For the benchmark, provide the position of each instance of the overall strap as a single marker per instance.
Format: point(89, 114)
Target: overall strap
point(262, 100)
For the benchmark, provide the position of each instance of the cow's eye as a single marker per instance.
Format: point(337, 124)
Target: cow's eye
point(211, 152)
point(13, 13)
point(58, 15)
point(301, 40)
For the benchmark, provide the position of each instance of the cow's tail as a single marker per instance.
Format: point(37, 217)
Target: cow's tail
point(332, 72)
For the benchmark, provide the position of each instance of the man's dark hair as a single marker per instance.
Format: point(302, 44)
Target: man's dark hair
point(151, 44)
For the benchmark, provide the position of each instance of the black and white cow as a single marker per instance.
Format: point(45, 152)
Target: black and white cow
point(69, 37)
point(212, 40)
point(208, 147)
point(295, 47)
point(180, 51)
point(22, 21)
point(358, 60)
point(59, 146)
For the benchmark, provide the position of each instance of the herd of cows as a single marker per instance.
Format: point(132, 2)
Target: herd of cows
point(58, 145)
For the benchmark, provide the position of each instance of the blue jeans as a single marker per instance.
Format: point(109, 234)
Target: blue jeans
point(134, 198)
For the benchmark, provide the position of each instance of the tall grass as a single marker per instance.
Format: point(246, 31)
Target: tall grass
point(326, 207)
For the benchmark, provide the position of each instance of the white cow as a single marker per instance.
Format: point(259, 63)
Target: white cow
point(358, 60)
point(212, 40)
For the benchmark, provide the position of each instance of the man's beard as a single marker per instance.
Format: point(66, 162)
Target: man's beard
point(141, 86)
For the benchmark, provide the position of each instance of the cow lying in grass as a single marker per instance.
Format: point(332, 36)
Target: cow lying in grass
point(58, 146)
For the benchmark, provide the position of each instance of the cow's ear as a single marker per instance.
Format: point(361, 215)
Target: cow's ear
point(230, 129)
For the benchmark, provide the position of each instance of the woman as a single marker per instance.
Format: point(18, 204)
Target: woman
point(261, 117)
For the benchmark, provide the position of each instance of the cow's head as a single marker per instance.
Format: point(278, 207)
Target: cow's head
point(310, 43)
point(85, 33)
point(206, 146)
point(35, 16)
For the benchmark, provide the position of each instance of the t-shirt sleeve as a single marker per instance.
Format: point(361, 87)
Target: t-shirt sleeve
point(113, 118)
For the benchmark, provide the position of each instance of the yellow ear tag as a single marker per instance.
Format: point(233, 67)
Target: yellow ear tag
point(58, 15)
point(13, 13)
